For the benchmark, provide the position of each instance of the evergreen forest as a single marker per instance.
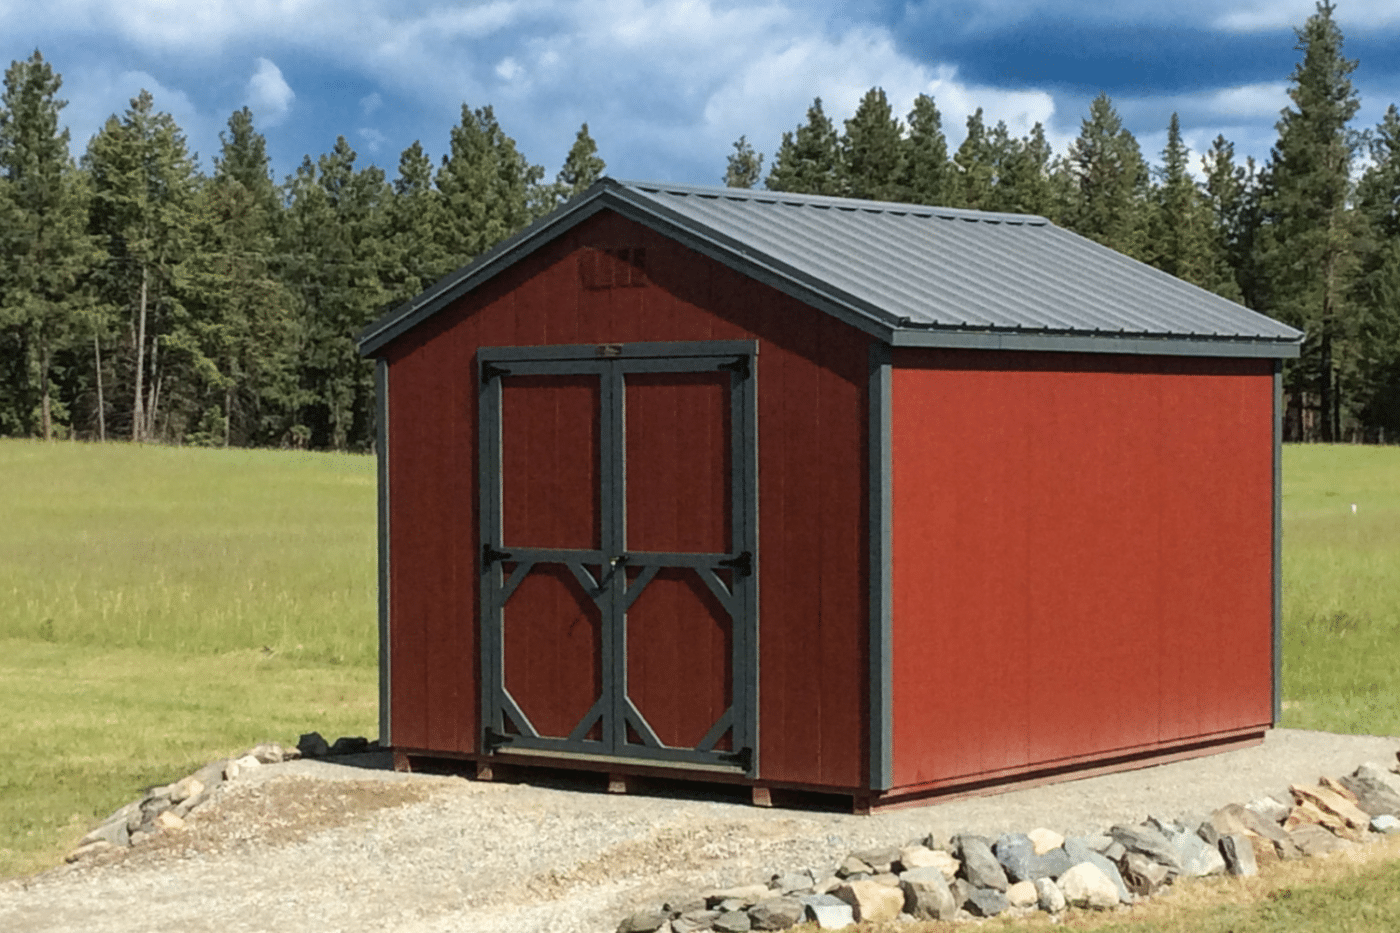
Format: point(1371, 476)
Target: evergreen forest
point(144, 299)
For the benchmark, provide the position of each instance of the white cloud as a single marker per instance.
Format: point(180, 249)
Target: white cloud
point(269, 95)
point(374, 140)
point(1254, 15)
point(509, 69)
point(370, 103)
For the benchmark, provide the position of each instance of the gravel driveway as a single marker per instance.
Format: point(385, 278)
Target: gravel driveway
point(311, 846)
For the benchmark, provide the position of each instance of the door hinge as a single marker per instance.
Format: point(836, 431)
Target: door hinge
point(490, 555)
point(743, 758)
point(494, 740)
point(742, 565)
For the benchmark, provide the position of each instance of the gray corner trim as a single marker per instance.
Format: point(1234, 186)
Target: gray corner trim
point(1278, 543)
point(881, 583)
point(1136, 344)
point(381, 449)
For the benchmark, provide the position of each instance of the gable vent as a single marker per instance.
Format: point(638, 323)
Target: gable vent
point(613, 268)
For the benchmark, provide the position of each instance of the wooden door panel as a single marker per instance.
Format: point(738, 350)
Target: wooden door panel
point(679, 496)
point(553, 650)
point(550, 441)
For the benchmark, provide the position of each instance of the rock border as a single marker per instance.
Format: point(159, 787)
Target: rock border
point(168, 807)
point(1021, 874)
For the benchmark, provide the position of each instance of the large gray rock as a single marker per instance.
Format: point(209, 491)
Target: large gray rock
point(1079, 852)
point(1238, 852)
point(986, 902)
point(349, 745)
point(854, 865)
point(1312, 839)
point(1148, 841)
point(1144, 876)
point(793, 882)
point(733, 921)
point(694, 921)
point(828, 911)
point(872, 901)
point(777, 913)
point(1374, 773)
point(1085, 885)
point(645, 921)
point(1196, 857)
point(879, 860)
point(1016, 853)
point(979, 866)
point(743, 896)
point(115, 830)
point(927, 895)
point(1373, 796)
point(313, 745)
point(1052, 899)
point(1269, 808)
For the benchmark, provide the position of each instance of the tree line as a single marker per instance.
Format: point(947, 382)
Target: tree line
point(1310, 237)
point(141, 298)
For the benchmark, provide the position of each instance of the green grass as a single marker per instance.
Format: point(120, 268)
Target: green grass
point(1341, 588)
point(163, 607)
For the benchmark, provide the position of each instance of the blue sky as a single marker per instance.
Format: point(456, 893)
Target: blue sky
point(667, 85)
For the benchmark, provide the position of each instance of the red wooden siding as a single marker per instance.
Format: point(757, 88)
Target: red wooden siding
point(812, 397)
point(1082, 557)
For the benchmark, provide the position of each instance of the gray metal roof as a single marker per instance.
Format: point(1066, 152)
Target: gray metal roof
point(910, 275)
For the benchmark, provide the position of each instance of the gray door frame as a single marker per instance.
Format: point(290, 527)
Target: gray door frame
point(600, 572)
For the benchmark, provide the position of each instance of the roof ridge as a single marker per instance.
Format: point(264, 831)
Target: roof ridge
point(832, 201)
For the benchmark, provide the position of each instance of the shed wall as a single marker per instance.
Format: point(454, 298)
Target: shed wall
point(812, 398)
point(1082, 558)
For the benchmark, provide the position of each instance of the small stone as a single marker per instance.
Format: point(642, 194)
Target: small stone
point(792, 882)
point(853, 865)
point(1079, 852)
point(269, 753)
point(169, 820)
point(694, 921)
point(743, 896)
point(734, 921)
point(776, 913)
point(1239, 855)
point(185, 788)
point(1022, 894)
point(140, 836)
point(1142, 875)
point(1051, 898)
point(240, 766)
point(1045, 840)
point(937, 858)
point(919, 856)
point(828, 911)
point(1149, 842)
point(312, 745)
point(646, 921)
point(1085, 885)
point(1269, 808)
point(1312, 839)
point(927, 895)
point(979, 866)
point(879, 860)
point(986, 902)
point(96, 847)
point(872, 901)
point(1385, 823)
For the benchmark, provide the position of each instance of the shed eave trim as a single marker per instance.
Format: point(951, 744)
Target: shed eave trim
point(1137, 344)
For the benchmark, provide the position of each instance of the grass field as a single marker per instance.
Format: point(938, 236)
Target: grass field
point(163, 607)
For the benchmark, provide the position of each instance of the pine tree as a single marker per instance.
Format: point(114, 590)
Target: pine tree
point(1180, 225)
point(1308, 238)
point(1376, 293)
point(1110, 181)
point(1025, 184)
point(143, 184)
point(808, 160)
point(872, 150)
point(1228, 197)
point(582, 167)
point(488, 187)
point(334, 242)
point(45, 252)
point(416, 219)
point(976, 164)
point(238, 329)
point(745, 166)
point(926, 170)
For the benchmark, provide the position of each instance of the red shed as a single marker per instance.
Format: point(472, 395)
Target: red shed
point(799, 492)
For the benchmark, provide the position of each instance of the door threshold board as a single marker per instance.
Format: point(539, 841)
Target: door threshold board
point(507, 754)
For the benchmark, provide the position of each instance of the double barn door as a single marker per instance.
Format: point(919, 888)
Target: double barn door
point(619, 552)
